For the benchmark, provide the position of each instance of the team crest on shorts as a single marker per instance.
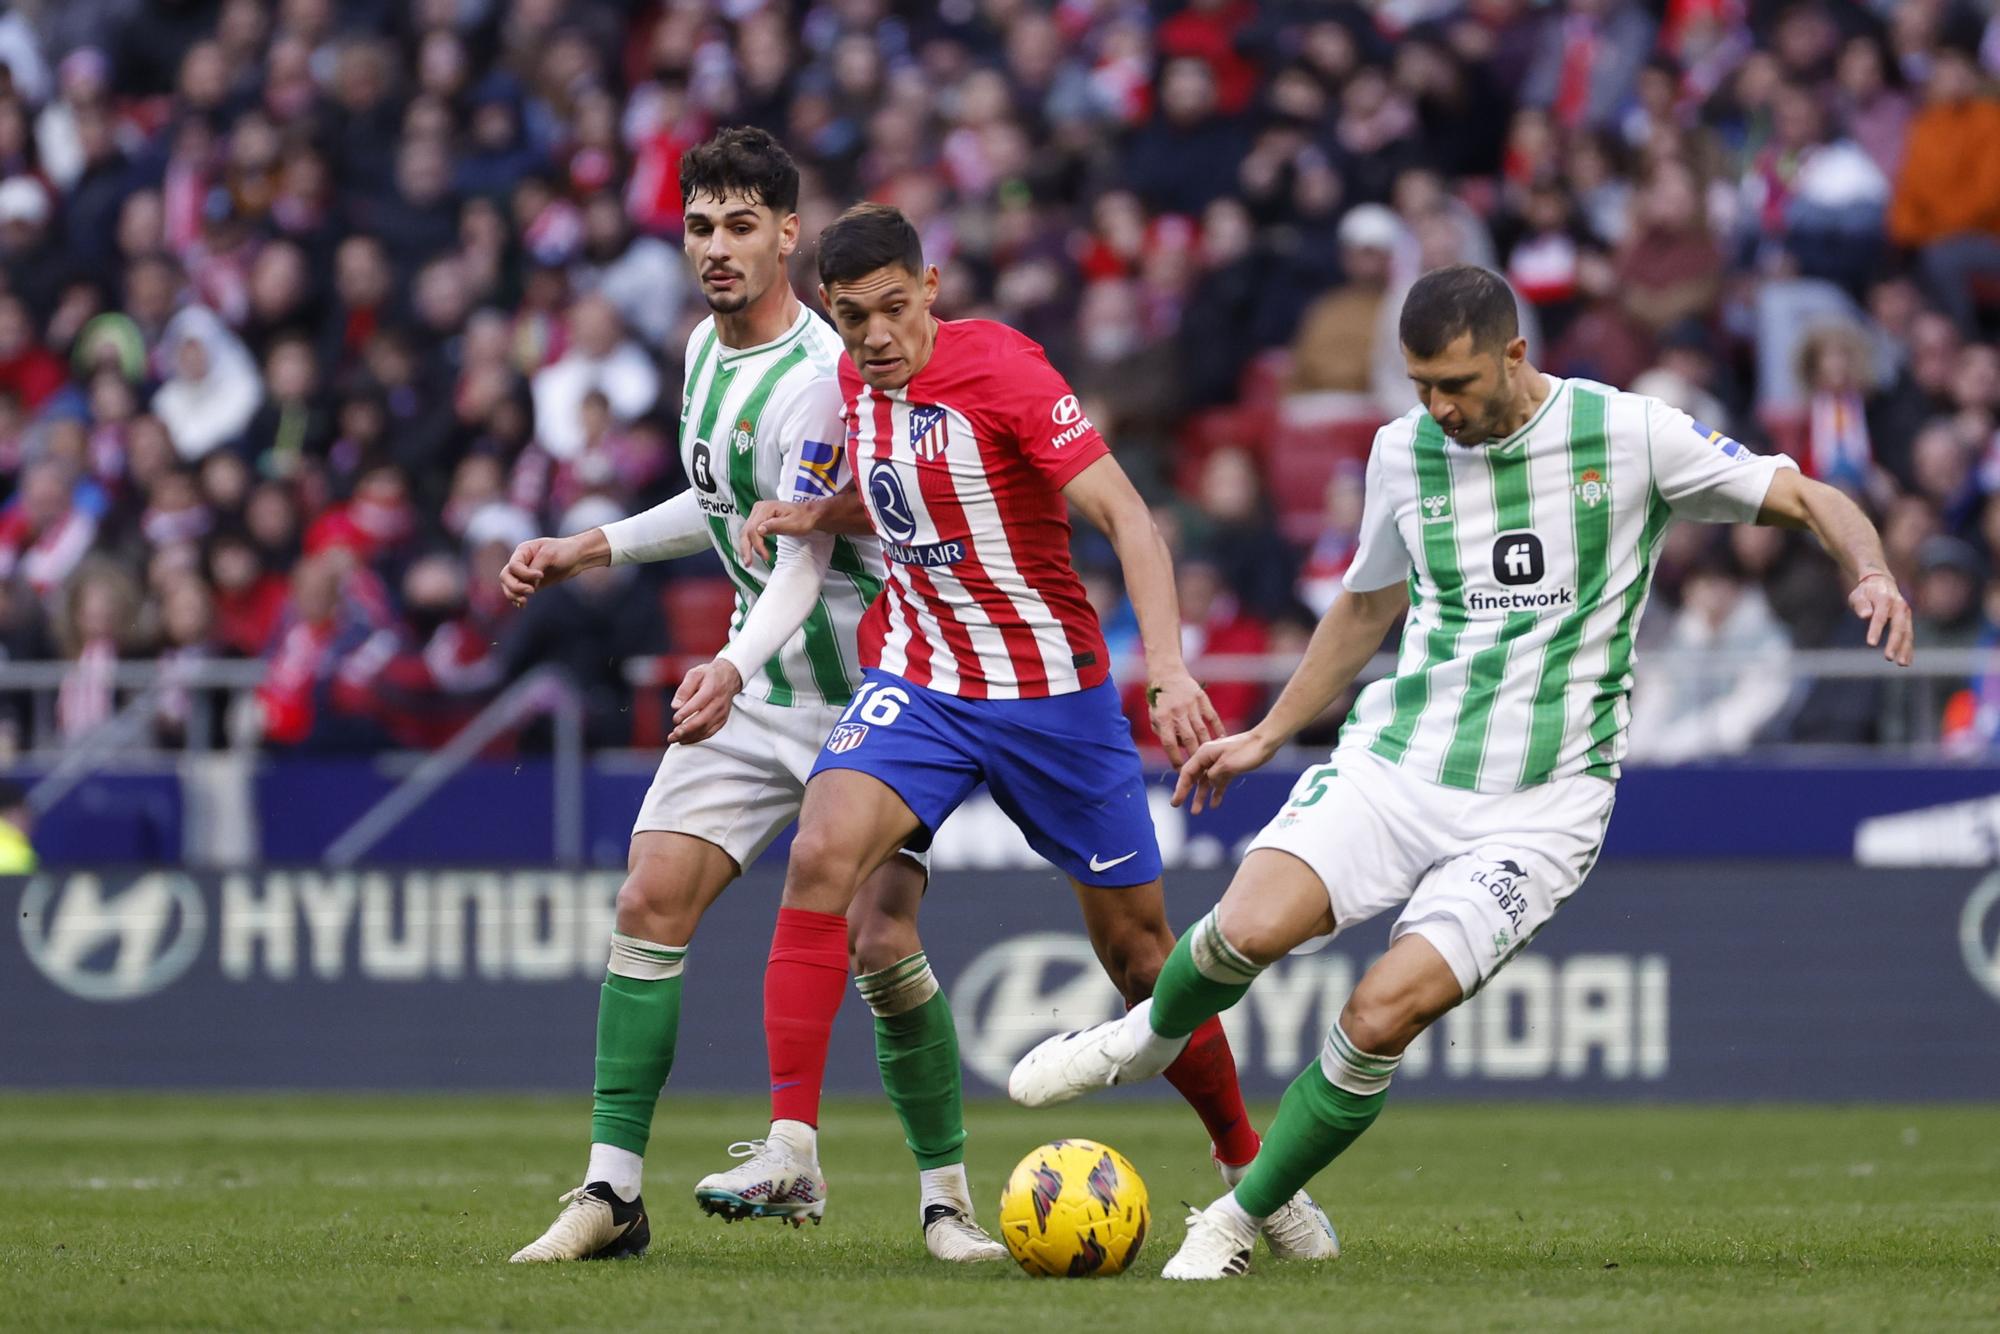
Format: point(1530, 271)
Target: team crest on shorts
point(846, 737)
point(1590, 488)
point(929, 432)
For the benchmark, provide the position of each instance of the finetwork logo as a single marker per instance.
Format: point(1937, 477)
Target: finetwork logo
point(114, 947)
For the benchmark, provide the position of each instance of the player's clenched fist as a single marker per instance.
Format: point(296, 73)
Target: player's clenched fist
point(1219, 763)
point(543, 562)
point(701, 705)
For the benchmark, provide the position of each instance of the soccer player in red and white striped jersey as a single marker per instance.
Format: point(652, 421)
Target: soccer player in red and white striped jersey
point(983, 664)
point(967, 485)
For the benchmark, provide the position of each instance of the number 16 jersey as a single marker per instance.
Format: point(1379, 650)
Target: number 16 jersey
point(962, 472)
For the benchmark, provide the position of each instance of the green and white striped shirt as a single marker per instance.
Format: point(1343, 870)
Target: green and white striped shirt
point(1528, 561)
point(750, 417)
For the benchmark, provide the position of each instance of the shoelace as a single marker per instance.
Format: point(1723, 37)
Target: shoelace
point(575, 1197)
point(747, 1148)
point(1199, 1218)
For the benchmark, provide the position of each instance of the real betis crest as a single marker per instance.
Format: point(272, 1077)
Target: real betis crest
point(1590, 488)
point(740, 437)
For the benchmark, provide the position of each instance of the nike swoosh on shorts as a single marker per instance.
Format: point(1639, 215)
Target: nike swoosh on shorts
point(1102, 866)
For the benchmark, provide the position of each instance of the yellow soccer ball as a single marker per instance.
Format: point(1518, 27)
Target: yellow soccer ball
point(1074, 1209)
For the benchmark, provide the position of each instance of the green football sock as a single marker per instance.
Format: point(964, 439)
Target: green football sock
point(916, 1048)
point(1204, 976)
point(638, 1021)
point(1317, 1120)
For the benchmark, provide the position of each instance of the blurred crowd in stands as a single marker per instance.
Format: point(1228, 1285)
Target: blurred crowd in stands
point(312, 309)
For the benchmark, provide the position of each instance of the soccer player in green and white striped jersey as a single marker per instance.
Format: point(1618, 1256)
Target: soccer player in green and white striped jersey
point(760, 420)
point(1516, 517)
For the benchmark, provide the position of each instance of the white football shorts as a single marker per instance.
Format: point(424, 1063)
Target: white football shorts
point(1479, 873)
point(742, 786)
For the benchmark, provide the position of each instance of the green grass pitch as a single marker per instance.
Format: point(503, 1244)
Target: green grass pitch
point(158, 1212)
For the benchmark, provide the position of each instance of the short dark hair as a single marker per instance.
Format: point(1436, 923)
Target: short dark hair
point(743, 160)
point(1454, 300)
point(865, 238)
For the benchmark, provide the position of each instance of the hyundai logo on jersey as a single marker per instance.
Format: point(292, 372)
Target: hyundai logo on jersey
point(929, 432)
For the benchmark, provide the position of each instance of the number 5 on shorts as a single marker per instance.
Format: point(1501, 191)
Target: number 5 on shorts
point(1315, 785)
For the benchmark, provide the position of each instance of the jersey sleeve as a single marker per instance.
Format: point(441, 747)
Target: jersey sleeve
point(1380, 558)
point(1702, 473)
point(1041, 411)
point(814, 432)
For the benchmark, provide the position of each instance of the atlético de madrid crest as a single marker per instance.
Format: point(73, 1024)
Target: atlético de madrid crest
point(929, 432)
point(1590, 488)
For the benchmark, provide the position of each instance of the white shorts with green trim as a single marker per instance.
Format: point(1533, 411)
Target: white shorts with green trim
point(742, 786)
point(1479, 873)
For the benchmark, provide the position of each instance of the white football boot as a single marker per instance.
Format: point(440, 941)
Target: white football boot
point(951, 1234)
point(1070, 1065)
point(1217, 1246)
point(1300, 1230)
point(773, 1181)
point(594, 1225)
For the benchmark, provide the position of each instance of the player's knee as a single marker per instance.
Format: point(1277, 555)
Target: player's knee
point(1382, 1019)
point(876, 941)
point(822, 871)
point(656, 906)
point(1253, 931)
point(1376, 1025)
point(1132, 960)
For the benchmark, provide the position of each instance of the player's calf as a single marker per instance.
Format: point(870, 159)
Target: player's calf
point(1406, 991)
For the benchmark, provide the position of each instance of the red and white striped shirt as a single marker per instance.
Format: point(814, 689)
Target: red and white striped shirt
point(962, 472)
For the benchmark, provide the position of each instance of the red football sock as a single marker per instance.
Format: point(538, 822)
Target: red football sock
point(1205, 1074)
point(804, 983)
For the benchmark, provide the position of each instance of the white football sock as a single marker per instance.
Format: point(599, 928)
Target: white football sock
point(618, 1168)
point(1149, 1049)
point(946, 1185)
point(800, 1138)
point(1229, 1208)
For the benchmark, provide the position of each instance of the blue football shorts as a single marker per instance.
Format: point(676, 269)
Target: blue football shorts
point(1063, 768)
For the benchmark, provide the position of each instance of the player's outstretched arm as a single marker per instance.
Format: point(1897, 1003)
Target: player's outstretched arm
point(1346, 637)
point(543, 562)
point(669, 529)
point(1181, 714)
point(841, 512)
point(1795, 501)
point(706, 694)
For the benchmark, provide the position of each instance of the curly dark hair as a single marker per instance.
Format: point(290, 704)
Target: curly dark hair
point(746, 161)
